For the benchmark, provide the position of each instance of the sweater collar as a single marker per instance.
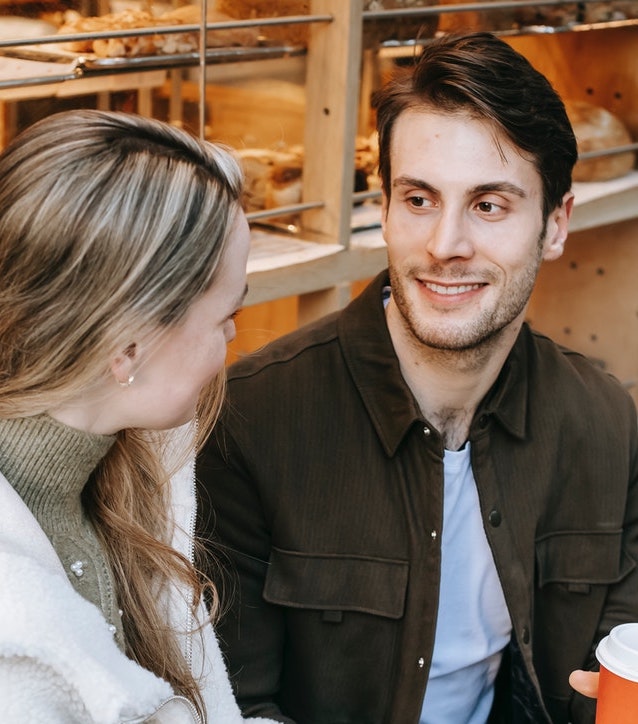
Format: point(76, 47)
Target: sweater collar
point(48, 462)
point(393, 410)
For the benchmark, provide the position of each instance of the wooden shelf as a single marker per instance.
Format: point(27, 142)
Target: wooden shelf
point(605, 202)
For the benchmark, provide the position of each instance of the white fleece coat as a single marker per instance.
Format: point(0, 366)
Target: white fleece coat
point(59, 663)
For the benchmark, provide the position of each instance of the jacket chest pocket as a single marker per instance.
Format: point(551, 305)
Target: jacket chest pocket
point(581, 559)
point(336, 582)
point(343, 618)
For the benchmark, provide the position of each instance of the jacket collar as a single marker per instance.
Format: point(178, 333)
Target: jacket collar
point(21, 533)
point(374, 366)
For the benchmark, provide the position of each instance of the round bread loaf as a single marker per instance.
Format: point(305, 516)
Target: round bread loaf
point(219, 38)
point(596, 129)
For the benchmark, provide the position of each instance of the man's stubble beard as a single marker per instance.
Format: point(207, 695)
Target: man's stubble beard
point(483, 333)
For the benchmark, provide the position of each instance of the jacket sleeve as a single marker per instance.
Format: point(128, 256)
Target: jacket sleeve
point(32, 692)
point(621, 604)
point(236, 535)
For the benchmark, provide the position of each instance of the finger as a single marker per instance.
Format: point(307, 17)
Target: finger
point(585, 682)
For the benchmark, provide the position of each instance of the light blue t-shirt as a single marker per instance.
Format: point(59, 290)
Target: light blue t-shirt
point(473, 625)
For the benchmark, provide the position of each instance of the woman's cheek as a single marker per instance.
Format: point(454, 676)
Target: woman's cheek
point(230, 331)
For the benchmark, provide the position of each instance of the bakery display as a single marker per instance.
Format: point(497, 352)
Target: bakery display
point(597, 129)
point(156, 43)
point(274, 177)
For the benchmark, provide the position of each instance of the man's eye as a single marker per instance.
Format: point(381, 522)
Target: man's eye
point(488, 206)
point(417, 201)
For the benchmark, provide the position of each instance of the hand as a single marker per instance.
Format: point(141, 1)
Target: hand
point(585, 682)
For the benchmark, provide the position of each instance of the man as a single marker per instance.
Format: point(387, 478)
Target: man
point(433, 510)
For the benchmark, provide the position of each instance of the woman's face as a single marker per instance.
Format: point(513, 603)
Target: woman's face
point(171, 370)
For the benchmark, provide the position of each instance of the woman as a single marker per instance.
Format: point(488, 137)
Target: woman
point(122, 265)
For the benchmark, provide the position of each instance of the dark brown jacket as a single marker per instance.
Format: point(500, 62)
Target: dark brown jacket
point(324, 484)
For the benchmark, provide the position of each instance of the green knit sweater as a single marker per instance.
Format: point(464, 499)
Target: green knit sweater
point(48, 464)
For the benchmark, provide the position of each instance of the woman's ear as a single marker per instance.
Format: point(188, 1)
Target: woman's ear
point(557, 228)
point(123, 365)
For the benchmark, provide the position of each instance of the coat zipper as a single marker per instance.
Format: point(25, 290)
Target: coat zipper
point(191, 557)
point(182, 699)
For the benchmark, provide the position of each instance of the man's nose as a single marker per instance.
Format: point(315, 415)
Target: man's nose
point(450, 236)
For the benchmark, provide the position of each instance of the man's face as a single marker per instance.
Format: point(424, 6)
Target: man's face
point(464, 229)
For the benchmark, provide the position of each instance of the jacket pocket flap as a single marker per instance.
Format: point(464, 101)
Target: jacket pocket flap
point(335, 582)
point(594, 557)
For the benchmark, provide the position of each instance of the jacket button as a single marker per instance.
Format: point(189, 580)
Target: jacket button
point(427, 432)
point(484, 421)
point(525, 635)
point(421, 662)
point(495, 518)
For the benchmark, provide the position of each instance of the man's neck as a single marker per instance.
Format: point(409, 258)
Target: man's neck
point(448, 384)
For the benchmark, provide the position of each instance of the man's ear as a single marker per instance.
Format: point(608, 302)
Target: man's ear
point(123, 365)
point(557, 228)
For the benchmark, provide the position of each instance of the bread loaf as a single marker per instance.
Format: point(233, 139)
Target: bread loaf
point(293, 34)
point(219, 38)
point(157, 43)
point(596, 129)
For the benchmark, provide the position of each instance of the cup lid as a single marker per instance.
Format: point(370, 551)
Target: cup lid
point(618, 652)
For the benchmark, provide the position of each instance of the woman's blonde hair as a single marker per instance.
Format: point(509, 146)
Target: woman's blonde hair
point(111, 225)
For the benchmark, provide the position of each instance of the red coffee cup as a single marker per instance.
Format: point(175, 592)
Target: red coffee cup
point(618, 685)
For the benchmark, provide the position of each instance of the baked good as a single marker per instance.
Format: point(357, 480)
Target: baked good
point(605, 11)
point(293, 34)
point(220, 38)
point(595, 129)
point(129, 46)
point(274, 177)
point(366, 162)
point(552, 16)
point(157, 43)
point(399, 28)
point(508, 18)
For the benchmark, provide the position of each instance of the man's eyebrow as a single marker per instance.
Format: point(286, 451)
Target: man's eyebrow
point(414, 182)
point(502, 186)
